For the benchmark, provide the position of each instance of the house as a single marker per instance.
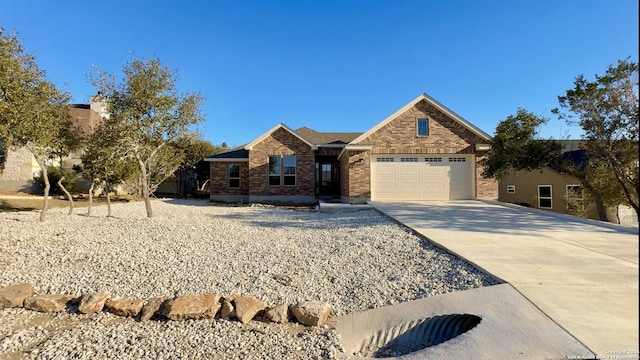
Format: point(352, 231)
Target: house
point(550, 189)
point(423, 151)
point(20, 167)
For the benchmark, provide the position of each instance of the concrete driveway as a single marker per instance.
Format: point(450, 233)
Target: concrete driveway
point(583, 275)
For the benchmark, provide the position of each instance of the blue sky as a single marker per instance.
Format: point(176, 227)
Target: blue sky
point(336, 65)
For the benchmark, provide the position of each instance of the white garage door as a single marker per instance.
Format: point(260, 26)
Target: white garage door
point(422, 177)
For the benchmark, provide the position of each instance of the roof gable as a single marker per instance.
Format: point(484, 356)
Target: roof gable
point(459, 119)
point(326, 138)
point(250, 145)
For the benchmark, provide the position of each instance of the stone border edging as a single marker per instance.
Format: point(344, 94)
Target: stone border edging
point(181, 307)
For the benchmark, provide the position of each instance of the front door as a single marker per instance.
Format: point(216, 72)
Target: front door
point(327, 179)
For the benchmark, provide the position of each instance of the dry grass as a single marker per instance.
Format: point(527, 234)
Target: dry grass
point(28, 203)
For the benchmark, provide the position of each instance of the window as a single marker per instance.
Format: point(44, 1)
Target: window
point(233, 171)
point(423, 127)
point(289, 166)
point(574, 191)
point(282, 170)
point(409, 159)
point(433, 159)
point(274, 170)
point(545, 197)
point(384, 159)
point(574, 200)
point(461, 159)
point(511, 189)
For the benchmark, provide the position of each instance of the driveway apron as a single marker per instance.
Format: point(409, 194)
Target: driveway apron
point(582, 275)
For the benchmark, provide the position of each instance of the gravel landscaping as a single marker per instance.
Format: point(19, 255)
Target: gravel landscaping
point(353, 261)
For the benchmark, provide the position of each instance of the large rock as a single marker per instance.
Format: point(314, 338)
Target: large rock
point(247, 307)
point(192, 306)
point(228, 310)
point(48, 303)
point(151, 307)
point(93, 302)
point(311, 313)
point(124, 307)
point(14, 295)
point(278, 314)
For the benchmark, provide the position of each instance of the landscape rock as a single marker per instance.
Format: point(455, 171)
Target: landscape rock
point(227, 310)
point(247, 307)
point(278, 314)
point(191, 306)
point(14, 295)
point(48, 303)
point(311, 313)
point(151, 307)
point(124, 307)
point(93, 302)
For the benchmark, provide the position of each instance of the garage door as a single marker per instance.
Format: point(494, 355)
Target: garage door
point(422, 177)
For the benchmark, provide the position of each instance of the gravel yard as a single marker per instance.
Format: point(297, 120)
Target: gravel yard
point(353, 261)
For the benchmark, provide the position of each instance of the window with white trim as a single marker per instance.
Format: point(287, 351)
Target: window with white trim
point(545, 197)
point(384, 159)
point(433, 159)
point(457, 159)
point(511, 189)
point(233, 175)
point(409, 159)
point(422, 127)
point(289, 170)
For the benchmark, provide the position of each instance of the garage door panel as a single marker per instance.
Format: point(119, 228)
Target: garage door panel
point(442, 177)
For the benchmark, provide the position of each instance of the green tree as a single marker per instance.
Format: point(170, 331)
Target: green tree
point(33, 112)
point(105, 164)
point(195, 149)
point(150, 115)
point(607, 110)
point(516, 146)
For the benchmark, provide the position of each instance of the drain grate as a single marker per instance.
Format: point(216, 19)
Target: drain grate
point(418, 334)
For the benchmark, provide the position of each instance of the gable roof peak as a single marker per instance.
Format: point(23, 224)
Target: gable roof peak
point(259, 139)
point(424, 97)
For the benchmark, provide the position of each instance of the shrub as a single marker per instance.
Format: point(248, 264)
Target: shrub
point(54, 175)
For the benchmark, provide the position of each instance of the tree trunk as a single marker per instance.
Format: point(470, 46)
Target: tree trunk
point(89, 208)
point(47, 186)
point(145, 188)
point(108, 200)
point(66, 193)
point(602, 212)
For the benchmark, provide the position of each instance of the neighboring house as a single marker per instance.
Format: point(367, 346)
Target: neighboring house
point(20, 166)
point(549, 189)
point(424, 151)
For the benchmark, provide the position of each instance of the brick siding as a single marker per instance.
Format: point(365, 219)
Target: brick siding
point(281, 142)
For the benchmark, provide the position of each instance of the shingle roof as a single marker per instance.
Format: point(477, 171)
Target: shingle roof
point(324, 138)
point(235, 153)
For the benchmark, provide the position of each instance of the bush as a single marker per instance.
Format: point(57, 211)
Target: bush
point(54, 175)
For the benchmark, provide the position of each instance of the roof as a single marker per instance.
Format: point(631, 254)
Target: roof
point(434, 103)
point(232, 154)
point(250, 145)
point(326, 138)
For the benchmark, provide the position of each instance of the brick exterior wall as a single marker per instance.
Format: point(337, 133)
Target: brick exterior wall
point(485, 188)
point(218, 175)
point(399, 136)
point(354, 175)
point(281, 142)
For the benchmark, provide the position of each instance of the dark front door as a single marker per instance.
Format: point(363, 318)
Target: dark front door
point(327, 179)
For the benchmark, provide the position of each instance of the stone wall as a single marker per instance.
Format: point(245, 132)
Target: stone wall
point(19, 170)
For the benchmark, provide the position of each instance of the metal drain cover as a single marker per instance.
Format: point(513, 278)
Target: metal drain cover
point(416, 335)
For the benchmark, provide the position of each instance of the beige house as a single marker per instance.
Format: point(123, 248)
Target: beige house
point(20, 166)
point(548, 189)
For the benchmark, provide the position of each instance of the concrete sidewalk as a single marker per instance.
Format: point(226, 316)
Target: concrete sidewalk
point(583, 276)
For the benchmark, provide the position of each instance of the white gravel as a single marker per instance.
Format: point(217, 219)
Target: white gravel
point(352, 261)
